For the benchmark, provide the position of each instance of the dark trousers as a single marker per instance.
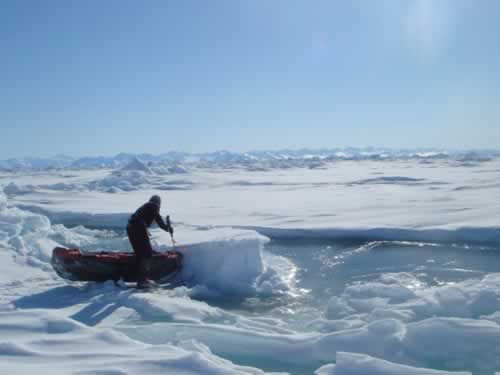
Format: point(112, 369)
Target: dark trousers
point(139, 239)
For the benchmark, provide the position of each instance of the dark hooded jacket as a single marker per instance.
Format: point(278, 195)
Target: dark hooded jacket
point(146, 214)
point(137, 229)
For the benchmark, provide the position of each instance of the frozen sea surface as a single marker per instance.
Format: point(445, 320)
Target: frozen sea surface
point(362, 267)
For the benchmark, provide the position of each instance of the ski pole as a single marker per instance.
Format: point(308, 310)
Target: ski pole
point(171, 234)
point(173, 241)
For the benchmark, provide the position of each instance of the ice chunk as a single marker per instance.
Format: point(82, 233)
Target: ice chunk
point(226, 266)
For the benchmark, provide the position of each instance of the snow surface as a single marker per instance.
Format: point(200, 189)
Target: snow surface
point(239, 308)
point(377, 200)
point(358, 364)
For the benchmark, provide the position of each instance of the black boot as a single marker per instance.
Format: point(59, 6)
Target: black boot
point(143, 272)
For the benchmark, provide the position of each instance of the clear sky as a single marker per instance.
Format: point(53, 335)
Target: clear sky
point(100, 77)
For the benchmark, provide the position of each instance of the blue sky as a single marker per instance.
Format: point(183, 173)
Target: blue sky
point(102, 77)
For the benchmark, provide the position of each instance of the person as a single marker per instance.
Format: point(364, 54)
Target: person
point(137, 231)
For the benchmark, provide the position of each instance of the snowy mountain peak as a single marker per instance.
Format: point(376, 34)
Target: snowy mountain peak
point(137, 165)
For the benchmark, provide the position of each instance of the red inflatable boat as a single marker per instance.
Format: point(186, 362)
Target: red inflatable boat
point(73, 264)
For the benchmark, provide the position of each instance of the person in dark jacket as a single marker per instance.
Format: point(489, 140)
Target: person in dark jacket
point(137, 231)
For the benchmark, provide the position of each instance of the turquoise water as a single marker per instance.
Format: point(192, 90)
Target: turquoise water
point(326, 268)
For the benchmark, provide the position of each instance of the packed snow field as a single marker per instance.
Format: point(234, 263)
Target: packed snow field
point(345, 266)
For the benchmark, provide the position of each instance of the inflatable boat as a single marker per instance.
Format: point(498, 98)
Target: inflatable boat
point(76, 265)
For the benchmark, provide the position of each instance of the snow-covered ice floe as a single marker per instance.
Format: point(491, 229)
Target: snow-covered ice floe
point(239, 306)
point(48, 342)
point(358, 364)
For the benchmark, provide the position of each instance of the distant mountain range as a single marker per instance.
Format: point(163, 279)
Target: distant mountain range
point(254, 159)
